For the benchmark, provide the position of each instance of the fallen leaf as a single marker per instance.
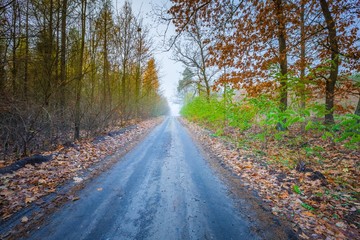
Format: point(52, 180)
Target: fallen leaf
point(6, 193)
point(75, 199)
point(340, 225)
point(42, 181)
point(309, 214)
point(30, 199)
point(302, 235)
point(78, 179)
point(284, 195)
point(24, 219)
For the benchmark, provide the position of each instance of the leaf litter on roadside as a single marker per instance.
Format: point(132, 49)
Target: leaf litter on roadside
point(321, 204)
point(30, 183)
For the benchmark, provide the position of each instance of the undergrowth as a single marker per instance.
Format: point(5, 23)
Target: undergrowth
point(254, 123)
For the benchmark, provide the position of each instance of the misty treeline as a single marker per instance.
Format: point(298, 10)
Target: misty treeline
point(71, 69)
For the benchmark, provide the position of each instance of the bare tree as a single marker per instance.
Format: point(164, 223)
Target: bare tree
point(193, 52)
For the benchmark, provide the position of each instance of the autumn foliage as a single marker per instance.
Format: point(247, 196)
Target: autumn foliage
point(286, 98)
point(316, 41)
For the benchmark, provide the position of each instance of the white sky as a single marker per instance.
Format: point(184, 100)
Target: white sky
point(170, 71)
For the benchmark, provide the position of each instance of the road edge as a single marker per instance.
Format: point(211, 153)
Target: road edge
point(14, 228)
point(256, 210)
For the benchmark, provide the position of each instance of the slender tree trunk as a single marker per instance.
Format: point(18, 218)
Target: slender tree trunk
point(26, 73)
point(63, 54)
point(281, 34)
point(207, 86)
point(123, 91)
point(302, 56)
point(124, 66)
point(334, 48)
point(79, 79)
point(57, 79)
point(123, 80)
point(2, 66)
point(92, 66)
point(203, 71)
point(14, 67)
point(107, 91)
point(93, 82)
point(3, 57)
point(138, 77)
point(137, 90)
point(48, 61)
point(225, 104)
point(302, 82)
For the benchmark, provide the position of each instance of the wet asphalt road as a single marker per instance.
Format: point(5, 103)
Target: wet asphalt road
point(162, 189)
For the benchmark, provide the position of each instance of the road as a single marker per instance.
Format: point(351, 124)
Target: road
point(162, 189)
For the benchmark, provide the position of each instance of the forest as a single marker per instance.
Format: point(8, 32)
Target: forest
point(270, 87)
point(71, 69)
point(279, 81)
point(271, 65)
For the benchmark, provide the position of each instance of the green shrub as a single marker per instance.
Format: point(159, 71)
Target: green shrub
point(264, 113)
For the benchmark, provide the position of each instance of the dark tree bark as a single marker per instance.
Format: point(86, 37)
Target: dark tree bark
point(14, 46)
point(106, 80)
point(3, 54)
point(281, 35)
point(63, 53)
point(80, 71)
point(26, 70)
point(334, 48)
point(302, 83)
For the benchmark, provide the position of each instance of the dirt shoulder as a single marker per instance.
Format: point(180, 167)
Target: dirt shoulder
point(304, 201)
point(32, 192)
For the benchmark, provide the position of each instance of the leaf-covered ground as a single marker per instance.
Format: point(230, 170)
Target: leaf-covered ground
point(29, 184)
point(320, 200)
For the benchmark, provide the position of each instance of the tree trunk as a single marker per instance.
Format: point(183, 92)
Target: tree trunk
point(57, 50)
point(48, 52)
point(123, 91)
point(330, 83)
point(92, 65)
point(138, 77)
point(204, 64)
point(63, 54)
point(107, 92)
point(26, 73)
point(2, 66)
point(302, 83)
point(79, 80)
point(281, 34)
point(302, 57)
point(207, 85)
point(14, 67)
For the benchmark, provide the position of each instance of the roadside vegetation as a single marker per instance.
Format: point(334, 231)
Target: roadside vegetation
point(71, 69)
point(279, 82)
point(307, 171)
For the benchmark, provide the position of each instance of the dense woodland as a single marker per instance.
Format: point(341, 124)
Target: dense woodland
point(270, 62)
point(71, 69)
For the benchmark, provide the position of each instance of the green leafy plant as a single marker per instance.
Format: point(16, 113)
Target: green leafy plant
point(348, 128)
point(296, 189)
point(307, 206)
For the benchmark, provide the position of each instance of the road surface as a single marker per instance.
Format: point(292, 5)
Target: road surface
point(162, 189)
